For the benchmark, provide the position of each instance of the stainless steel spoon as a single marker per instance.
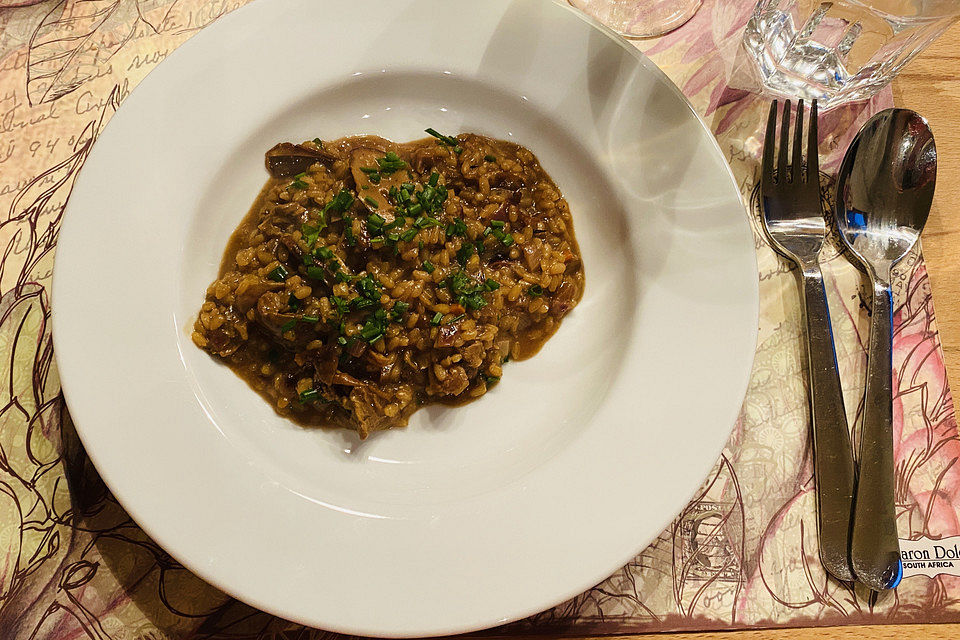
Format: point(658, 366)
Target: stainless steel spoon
point(884, 193)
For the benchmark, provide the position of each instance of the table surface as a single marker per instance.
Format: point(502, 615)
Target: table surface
point(931, 86)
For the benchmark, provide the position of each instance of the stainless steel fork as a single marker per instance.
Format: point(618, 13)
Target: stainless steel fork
point(796, 227)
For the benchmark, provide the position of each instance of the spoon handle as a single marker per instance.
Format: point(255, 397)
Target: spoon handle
point(833, 455)
point(875, 551)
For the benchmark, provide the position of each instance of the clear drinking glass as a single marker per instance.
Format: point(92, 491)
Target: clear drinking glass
point(639, 18)
point(842, 50)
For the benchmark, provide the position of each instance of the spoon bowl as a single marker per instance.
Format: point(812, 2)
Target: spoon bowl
point(886, 185)
point(884, 193)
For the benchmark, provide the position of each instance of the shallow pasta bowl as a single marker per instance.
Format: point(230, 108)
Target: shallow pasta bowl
point(471, 516)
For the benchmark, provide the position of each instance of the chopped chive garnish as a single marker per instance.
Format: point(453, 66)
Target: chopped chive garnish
point(497, 224)
point(447, 140)
point(456, 319)
point(293, 302)
point(342, 305)
point(487, 232)
point(428, 266)
point(340, 202)
point(458, 149)
point(298, 182)
point(437, 317)
point(434, 179)
point(399, 308)
point(288, 325)
point(408, 235)
point(318, 142)
point(325, 252)
point(375, 220)
point(464, 254)
point(369, 287)
point(491, 285)
point(370, 201)
point(423, 222)
point(490, 379)
point(490, 158)
point(310, 395)
point(279, 274)
point(369, 170)
point(310, 319)
point(374, 178)
point(341, 276)
point(310, 234)
point(360, 303)
point(507, 240)
point(535, 290)
point(473, 301)
point(393, 237)
point(341, 341)
point(457, 228)
point(316, 273)
point(390, 163)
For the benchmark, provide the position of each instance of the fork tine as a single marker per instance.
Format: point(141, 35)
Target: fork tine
point(769, 148)
point(813, 152)
point(784, 144)
point(795, 171)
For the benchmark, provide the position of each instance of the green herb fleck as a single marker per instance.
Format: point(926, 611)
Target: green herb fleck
point(464, 254)
point(310, 234)
point(298, 182)
point(457, 228)
point(311, 395)
point(447, 140)
point(279, 274)
point(341, 305)
point(390, 163)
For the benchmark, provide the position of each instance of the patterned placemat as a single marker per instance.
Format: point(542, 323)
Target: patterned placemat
point(742, 554)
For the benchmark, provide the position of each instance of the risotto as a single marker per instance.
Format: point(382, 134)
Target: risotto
point(371, 278)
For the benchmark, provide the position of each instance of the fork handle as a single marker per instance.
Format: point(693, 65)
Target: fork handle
point(833, 456)
point(875, 551)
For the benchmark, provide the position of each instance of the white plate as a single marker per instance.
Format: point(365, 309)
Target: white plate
point(473, 516)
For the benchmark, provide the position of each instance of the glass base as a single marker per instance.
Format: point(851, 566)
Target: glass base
point(639, 18)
